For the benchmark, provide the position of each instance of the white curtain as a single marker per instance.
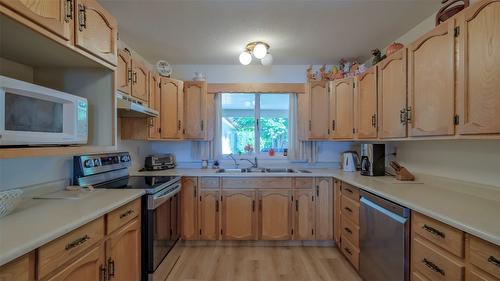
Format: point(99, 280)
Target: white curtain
point(298, 149)
point(210, 150)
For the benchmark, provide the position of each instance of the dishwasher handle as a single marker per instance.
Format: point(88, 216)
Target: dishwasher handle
point(402, 219)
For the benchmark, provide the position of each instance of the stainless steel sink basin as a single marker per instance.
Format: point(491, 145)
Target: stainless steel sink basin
point(256, 170)
point(280, 170)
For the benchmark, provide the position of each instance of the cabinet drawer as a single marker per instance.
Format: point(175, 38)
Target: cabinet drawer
point(350, 231)
point(54, 254)
point(417, 276)
point(250, 183)
point(304, 182)
point(209, 182)
point(435, 263)
point(350, 210)
point(476, 275)
point(350, 252)
point(123, 215)
point(350, 191)
point(484, 255)
point(442, 235)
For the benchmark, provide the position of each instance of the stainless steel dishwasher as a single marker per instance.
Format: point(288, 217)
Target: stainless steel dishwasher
point(384, 239)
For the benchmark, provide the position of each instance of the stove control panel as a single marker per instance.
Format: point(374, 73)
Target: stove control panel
point(86, 165)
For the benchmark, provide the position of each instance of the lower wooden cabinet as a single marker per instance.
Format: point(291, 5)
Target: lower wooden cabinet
point(21, 269)
point(189, 207)
point(239, 215)
point(208, 214)
point(123, 251)
point(304, 226)
point(337, 227)
point(324, 209)
point(275, 216)
point(88, 267)
point(483, 259)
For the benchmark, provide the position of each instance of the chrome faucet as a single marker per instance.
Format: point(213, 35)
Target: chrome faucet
point(234, 160)
point(255, 164)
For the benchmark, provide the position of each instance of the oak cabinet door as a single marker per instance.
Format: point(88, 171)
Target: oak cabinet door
point(304, 214)
point(208, 215)
point(275, 217)
point(124, 72)
point(238, 215)
point(366, 104)
point(478, 75)
point(189, 207)
point(337, 226)
point(154, 98)
point(88, 267)
point(392, 95)
point(195, 109)
point(431, 84)
point(123, 250)
point(171, 108)
point(96, 30)
point(318, 127)
point(53, 15)
point(324, 209)
point(20, 269)
point(139, 81)
point(342, 108)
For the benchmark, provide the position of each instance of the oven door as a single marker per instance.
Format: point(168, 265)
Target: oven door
point(162, 225)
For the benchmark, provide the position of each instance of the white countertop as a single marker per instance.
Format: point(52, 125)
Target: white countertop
point(44, 220)
point(473, 208)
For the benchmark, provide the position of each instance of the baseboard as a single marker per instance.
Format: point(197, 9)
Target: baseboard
point(287, 243)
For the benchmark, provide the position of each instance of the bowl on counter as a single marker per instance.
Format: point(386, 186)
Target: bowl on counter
point(9, 200)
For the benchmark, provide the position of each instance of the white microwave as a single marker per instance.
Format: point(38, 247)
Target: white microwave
point(35, 115)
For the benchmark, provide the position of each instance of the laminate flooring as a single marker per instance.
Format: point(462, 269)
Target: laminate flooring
point(263, 263)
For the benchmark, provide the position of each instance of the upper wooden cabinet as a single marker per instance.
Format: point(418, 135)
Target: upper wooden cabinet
point(342, 108)
point(275, 218)
point(124, 71)
point(139, 80)
point(317, 110)
point(154, 98)
point(239, 215)
point(54, 15)
point(431, 83)
point(95, 30)
point(392, 95)
point(195, 110)
point(478, 95)
point(171, 108)
point(366, 105)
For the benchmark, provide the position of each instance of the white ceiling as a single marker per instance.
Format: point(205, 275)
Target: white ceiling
point(299, 31)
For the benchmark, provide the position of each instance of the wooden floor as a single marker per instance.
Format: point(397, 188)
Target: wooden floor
point(266, 263)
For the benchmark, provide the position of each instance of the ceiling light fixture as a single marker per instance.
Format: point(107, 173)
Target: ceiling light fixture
point(259, 50)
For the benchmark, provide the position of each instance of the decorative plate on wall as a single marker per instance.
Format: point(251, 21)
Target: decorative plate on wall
point(164, 68)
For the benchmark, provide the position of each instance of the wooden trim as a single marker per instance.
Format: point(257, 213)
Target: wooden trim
point(298, 88)
point(52, 151)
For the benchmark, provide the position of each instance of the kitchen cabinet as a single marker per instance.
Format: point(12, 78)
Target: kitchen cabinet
point(483, 259)
point(195, 110)
point(123, 251)
point(54, 15)
point(431, 83)
point(348, 228)
point(318, 110)
point(95, 30)
point(171, 108)
point(124, 71)
point(239, 214)
point(479, 68)
point(342, 108)
point(20, 269)
point(154, 93)
point(139, 81)
point(392, 80)
point(208, 214)
point(324, 209)
point(189, 207)
point(304, 226)
point(337, 216)
point(275, 218)
point(88, 267)
point(366, 105)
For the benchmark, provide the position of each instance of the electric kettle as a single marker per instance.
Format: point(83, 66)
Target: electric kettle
point(350, 161)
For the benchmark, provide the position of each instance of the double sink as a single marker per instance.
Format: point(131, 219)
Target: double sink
point(261, 170)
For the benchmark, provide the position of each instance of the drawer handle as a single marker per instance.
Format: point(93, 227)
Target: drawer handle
point(433, 231)
point(348, 251)
point(126, 214)
point(348, 190)
point(494, 261)
point(111, 268)
point(433, 266)
point(77, 242)
point(348, 209)
point(348, 230)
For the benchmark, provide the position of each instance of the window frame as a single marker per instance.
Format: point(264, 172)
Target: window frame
point(257, 115)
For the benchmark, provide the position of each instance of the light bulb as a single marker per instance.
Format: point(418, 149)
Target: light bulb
point(245, 58)
point(267, 60)
point(260, 51)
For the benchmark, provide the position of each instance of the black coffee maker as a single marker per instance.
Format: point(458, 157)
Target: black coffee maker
point(373, 159)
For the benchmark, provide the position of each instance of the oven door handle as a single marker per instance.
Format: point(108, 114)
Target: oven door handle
point(161, 197)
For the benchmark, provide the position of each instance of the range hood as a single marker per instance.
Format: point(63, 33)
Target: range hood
point(128, 106)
